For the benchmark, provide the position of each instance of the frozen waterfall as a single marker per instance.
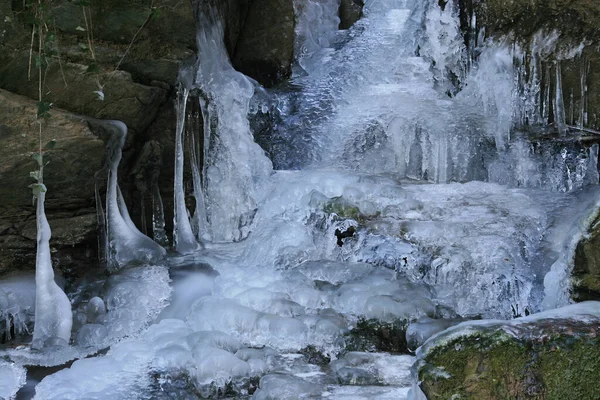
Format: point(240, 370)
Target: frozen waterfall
point(408, 186)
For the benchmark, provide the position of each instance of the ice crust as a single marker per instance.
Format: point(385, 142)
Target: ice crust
point(12, 378)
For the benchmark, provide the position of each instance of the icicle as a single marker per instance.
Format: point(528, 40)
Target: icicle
point(125, 242)
point(53, 317)
point(158, 217)
point(101, 220)
point(592, 177)
point(183, 236)
point(559, 105)
point(582, 121)
point(200, 221)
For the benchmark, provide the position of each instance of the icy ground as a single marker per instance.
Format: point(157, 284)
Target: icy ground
point(264, 311)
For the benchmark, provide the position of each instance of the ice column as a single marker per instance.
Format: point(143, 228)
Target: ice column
point(235, 165)
point(183, 236)
point(125, 242)
point(53, 317)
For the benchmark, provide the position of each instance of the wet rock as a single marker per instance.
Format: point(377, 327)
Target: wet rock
point(350, 11)
point(374, 336)
point(265, 48)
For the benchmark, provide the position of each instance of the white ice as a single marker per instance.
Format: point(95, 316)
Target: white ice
point(12, 378)
point(53, 317)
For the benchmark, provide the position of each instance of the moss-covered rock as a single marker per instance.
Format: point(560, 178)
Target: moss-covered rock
point(548, 359)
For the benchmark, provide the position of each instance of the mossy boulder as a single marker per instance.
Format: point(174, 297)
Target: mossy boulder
point(554, 358)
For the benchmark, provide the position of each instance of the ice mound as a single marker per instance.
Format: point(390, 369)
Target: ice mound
point(280, 386)
point(422, 329)
point(250, 326)
point(131, 299)
point(134, 297)
point(357, 368)
point(366, 393)
point(12, 378)
point(119, 375)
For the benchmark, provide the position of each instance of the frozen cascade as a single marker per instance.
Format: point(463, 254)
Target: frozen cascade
point(400, 204)
point(53, 318)
point(235, 165)
point(125, 242)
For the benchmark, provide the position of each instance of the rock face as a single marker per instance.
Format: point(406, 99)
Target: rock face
point(546, 359)
point(129, 53)
point(69, 177)
point(577, 26)
point(265, 48)
point(350, 12)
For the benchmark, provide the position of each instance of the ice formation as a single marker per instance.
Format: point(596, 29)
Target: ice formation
point(12, 378)
point(183, 238)
point(235, 165)
point(53, 318)
point(125, 243)
point(17, 304)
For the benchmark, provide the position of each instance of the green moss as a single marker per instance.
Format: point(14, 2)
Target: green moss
point(339, 206)
point(343, 209)
point(500, 367)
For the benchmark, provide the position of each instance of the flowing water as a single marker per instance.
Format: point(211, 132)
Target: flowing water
point(387, 195)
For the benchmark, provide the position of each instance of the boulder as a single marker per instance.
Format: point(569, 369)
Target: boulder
point(537, 357)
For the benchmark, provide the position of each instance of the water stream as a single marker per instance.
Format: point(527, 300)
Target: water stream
point(381, 194)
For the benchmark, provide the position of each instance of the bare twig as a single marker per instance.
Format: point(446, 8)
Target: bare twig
point(587, 130)
point(62, 71)
point(132, 42)
point(30, 53)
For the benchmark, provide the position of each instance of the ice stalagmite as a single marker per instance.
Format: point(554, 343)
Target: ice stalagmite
point(125, 242)
point(53, 318)
point(183, 236)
